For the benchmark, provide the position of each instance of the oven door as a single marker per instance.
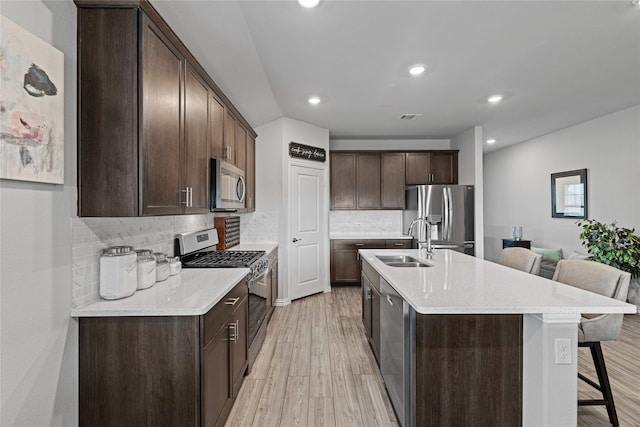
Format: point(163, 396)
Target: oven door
point(259, 302)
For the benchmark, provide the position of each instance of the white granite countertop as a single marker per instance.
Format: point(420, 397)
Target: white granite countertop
point(191, 293)
point(361, 236)
point(462, 284)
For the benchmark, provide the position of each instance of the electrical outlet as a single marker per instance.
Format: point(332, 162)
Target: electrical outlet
point(563, 351)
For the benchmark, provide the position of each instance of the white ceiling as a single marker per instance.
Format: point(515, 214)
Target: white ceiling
point(559, 63)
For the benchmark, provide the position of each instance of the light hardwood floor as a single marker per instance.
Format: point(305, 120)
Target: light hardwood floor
point(316, 369)
point(622, 358)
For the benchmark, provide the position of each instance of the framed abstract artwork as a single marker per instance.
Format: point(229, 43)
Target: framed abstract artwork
point(31, 107)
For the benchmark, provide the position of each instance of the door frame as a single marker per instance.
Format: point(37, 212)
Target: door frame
point(324, 167)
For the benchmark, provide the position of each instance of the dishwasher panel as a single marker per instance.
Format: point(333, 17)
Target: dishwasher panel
point(392, 343)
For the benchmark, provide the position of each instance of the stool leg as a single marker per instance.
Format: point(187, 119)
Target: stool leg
point(603, 379)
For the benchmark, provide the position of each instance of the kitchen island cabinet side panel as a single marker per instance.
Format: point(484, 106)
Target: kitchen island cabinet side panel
point(468, 370)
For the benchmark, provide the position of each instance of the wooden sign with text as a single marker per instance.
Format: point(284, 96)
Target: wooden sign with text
point(307, 152)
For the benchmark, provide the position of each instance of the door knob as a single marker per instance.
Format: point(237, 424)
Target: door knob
point(296, 240)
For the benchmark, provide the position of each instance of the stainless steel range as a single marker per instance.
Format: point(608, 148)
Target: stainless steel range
point(198, 250)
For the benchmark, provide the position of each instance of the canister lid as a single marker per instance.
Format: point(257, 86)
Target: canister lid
point(160, 256)
point(144, 252)
point(117, 251)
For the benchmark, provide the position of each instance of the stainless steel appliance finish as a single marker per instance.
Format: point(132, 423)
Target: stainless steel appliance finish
point(450, 210)
point(397, 341)
point(228, 187)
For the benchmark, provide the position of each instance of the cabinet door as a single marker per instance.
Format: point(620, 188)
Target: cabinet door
point(229, 137)
point(393, 178)
point(216, 378)
point(343, 181)
point(162, 136)
point(366, 305)
point(196, 141)
point(345, 267)
point(417, 168)
point(239, 325)
point(250, 174)
point(216, 127)
point(368, 181)
point(375, 322)
point(444, 168)
point(241, 147)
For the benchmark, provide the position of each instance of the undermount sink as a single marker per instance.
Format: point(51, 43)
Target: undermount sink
point(402, 261)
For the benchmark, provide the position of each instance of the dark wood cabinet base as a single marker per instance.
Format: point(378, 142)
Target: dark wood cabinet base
point(468, 370)
point(141, 371)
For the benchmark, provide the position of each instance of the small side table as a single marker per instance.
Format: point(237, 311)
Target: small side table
point(511, 243)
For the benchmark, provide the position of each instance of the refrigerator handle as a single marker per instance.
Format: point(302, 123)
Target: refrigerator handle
point(445, 222)
point(448, 216)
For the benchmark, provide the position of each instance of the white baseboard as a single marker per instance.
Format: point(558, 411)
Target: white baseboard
point(282, 302)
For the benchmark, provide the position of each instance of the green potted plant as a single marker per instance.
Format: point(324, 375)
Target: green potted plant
point(616, 246)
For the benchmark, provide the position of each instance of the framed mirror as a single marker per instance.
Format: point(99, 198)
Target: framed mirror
point(569, 194)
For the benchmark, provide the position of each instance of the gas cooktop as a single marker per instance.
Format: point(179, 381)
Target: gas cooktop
point(222, 259)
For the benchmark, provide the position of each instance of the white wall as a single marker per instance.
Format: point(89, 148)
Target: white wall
point(517, 181)
point(389, 144)
point(470, 166)
point(272, 188)
point(38, 339)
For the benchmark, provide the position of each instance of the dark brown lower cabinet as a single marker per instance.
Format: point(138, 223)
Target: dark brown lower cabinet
point(163, 370)
point(344, 263)
point(371, 307)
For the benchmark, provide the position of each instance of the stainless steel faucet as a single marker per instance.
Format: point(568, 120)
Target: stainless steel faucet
point(423, 243)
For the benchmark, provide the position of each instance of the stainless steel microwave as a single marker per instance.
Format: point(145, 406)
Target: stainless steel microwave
point(228, 187)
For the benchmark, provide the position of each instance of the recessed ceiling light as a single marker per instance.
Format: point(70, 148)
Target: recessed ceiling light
point(494, 99)
point(491, 141)
point(635, 2)
point(416, 70)
point(309, 3)
point(315, 100)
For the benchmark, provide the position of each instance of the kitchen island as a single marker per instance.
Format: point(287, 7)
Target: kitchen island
point(474, 342)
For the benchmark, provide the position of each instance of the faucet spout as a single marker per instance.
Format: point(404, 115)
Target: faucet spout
point(423, 244)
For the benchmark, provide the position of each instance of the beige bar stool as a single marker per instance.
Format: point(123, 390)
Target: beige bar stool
point(610, 282)
point(521, 259)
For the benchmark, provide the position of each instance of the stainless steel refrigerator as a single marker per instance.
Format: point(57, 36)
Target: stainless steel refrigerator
point(450, 210)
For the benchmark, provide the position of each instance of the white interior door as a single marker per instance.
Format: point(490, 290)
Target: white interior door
point(306, 231)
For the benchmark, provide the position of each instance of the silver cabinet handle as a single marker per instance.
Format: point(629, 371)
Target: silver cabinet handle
point(191, 197)
point(296, 240)
point(232, 301)
point(359, 245)
point(398, 244)
point(186, 197)
point(389, 300)
point(234, 332)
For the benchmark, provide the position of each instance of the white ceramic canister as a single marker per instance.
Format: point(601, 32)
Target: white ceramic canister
point(118, 272)
point(162, 266)
point(175, 266)
point(146, 268)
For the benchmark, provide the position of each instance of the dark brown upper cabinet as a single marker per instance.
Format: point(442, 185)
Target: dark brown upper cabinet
point(368, 181)
point(216, 127)
point(435, 167)
point(392, 180)
point(343, 180)
point(241, 147)
point(229, 153)
point(149, 116)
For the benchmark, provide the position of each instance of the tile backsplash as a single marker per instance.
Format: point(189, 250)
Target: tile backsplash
point(91, 235)
point(355, 222)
